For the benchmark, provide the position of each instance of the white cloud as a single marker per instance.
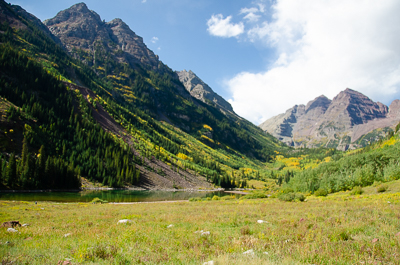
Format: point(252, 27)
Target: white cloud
point(154, 39)
point(322, 47)
point(144, 1)
point(251, 15)
point(220, 27)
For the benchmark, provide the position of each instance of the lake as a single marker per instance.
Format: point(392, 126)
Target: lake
point(107, 195)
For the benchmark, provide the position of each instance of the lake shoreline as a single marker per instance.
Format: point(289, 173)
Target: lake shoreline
point(108, 189)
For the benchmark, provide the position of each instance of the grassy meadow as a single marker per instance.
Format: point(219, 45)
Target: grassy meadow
point(338, 229)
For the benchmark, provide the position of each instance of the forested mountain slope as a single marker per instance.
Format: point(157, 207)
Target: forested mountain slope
point(104, 114)
point(376, 163)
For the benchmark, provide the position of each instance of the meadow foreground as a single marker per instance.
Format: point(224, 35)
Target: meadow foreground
point(338, 229)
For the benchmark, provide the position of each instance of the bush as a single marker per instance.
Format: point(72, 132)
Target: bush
point(292, 196)
point(228, 197)
point(391, 172)
point(382, 188)
point(215, 198)
point(357, 191)
point(321, 192)
point(300, 197)
point(255, 195)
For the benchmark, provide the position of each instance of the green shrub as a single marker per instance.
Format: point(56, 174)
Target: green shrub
point(300, 197)
point(255, 195)
point(215, 198)
point(321, 192)
point(195, 199)
point(292, 196)
point(228, 197)
point(391, 172)
point(357, 191)
point(287, 190)
point(382, 188)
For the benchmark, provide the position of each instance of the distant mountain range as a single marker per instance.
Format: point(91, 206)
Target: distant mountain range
point(350, 120)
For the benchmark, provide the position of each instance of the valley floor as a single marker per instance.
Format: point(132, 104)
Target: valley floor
point(338, 229)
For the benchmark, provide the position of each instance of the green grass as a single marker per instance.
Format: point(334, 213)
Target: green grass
point(337, 229)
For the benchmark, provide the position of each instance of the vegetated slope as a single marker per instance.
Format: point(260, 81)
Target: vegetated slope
point(63, 119)
point(378, 162)
point(122, 61)
point(337, 123)
point(138, 149)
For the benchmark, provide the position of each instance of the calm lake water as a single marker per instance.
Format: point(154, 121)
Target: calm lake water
point(109, 195)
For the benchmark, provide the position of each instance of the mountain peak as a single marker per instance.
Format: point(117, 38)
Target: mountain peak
point(332, 123)
point(76, 13)
point(321, 102)
point(200, 90)
point(117, 21)
point(349, 90)
point(82, 29)
point(80, 6)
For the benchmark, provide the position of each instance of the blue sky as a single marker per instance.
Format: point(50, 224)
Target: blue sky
point(265, 56)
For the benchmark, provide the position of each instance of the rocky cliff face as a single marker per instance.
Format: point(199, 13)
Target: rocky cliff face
point(337, 123)
point(200, 90)
point(81, 29)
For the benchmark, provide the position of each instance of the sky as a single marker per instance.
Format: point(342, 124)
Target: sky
point(265, 56)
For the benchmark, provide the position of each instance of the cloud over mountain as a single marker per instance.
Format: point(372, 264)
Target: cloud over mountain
point(320, 47)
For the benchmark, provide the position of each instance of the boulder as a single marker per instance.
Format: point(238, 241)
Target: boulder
point(11, 224)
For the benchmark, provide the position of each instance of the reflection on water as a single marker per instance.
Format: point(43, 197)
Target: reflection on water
point(109, 195)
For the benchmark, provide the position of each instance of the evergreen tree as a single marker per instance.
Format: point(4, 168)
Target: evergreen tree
point(12, 172)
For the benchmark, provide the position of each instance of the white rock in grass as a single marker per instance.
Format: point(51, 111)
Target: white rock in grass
point(266, 253)
point(211, 262)
point(11, 230)
point(170, 226)
point(249, 252)
point(25, 225)
point(201, 231)
point(206, 233)
point(124, 221)
point(261, 221)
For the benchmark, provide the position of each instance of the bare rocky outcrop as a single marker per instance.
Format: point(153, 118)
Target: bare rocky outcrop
point(200, 90)
point(336, 123)
point(79, 28)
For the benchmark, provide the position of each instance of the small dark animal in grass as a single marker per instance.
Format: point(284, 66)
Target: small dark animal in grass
point(11, 224)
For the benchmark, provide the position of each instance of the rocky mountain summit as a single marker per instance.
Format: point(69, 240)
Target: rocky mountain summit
point(337, 123)
point(81, 29)
point(200, 90)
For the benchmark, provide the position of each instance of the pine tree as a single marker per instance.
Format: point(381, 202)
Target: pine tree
point(12, 172)
point(25, 152)
point(1, 170)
